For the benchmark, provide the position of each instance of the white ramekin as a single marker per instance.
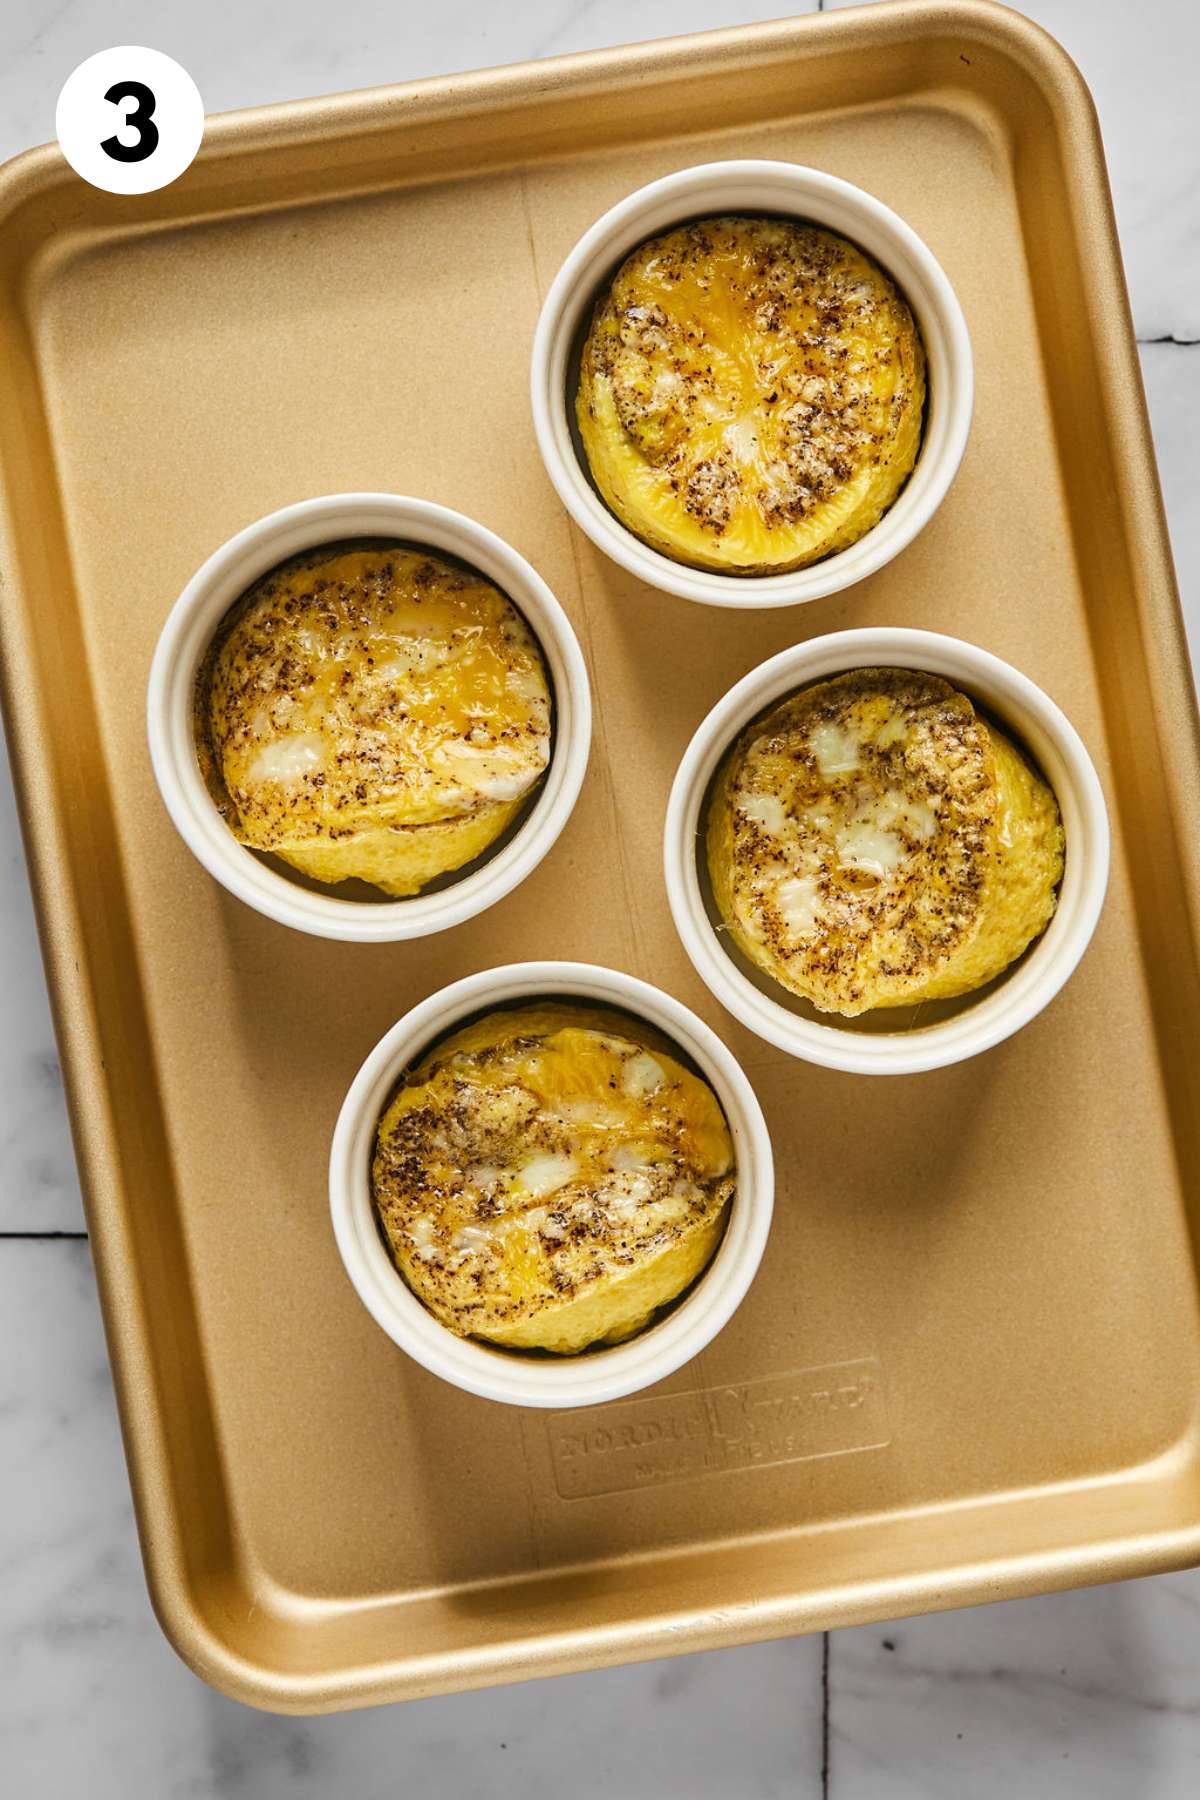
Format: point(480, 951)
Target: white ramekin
point(1034, 720)
point(189, 629)
point(770, 187)
point(595, 1375)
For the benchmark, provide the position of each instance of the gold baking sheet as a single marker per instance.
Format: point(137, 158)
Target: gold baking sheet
point(970, 1365)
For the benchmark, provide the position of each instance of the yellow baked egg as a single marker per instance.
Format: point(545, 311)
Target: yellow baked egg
point(373, 712)
point(548, 1178)
point(873, 841)
point(751, 394)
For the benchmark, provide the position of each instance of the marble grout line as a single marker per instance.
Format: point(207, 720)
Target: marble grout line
point(825, 1770)
point(42, 1237)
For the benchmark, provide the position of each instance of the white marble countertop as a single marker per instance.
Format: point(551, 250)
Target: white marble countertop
point(1093, 1694)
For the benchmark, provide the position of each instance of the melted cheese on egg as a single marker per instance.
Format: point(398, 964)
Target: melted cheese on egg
point(374, 713)
point(751, 394)
point(548, 1178)
point(873, 842)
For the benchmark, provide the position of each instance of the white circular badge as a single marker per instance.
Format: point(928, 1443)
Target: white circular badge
point(129, 120)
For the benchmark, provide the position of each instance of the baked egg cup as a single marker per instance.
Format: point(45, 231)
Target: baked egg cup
point(751, 394)
point(528, 1377)
point(550, 1177)
point(873, 842)
point(932, 1034)
point(783, 192)
point(196, 620)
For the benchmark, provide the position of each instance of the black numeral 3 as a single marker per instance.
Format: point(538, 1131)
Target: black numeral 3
point(140, 118)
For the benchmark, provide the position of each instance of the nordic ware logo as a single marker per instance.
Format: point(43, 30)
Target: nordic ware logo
point(825, 1411)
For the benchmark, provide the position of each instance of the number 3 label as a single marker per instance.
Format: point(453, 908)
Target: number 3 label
point(129, 120)
point(141, 119)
